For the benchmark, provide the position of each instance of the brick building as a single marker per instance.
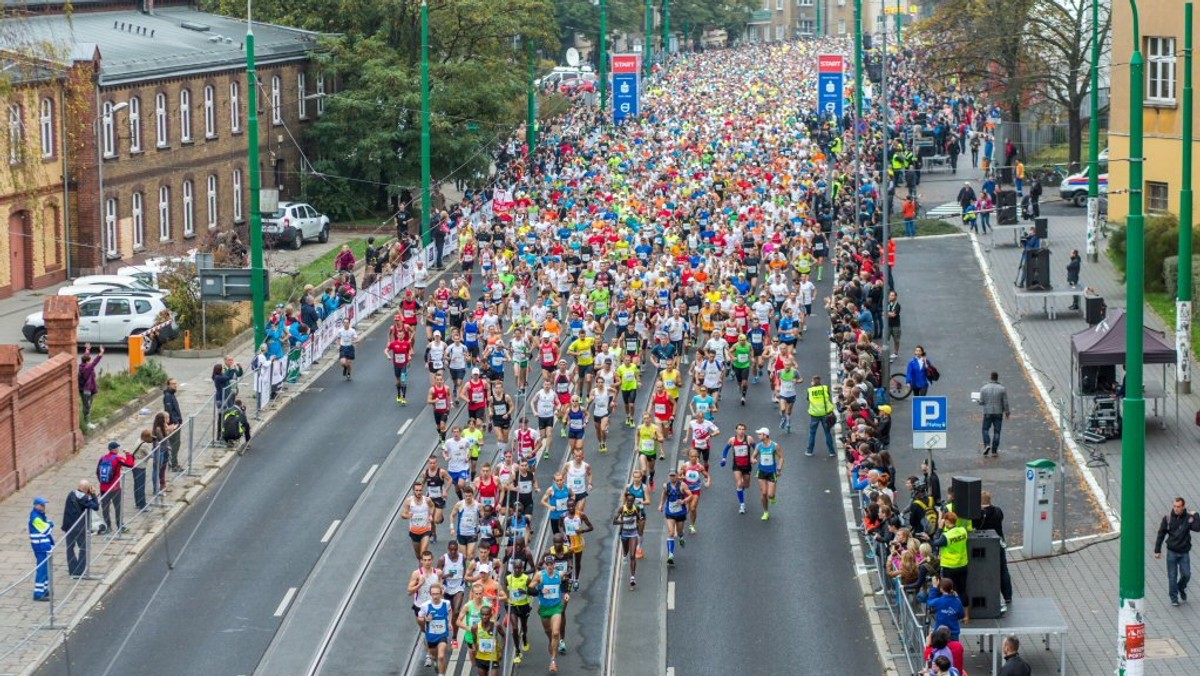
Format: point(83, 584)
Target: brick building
point(162, 145)
point(33, 194)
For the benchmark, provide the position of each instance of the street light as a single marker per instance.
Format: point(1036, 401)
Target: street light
point(257, 289)
point(1132, 586)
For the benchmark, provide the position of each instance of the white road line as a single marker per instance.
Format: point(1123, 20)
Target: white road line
point(287, 601)
point(670, 596)
point(670, 671)
point(404, 427)
point(370, 473)
point(330, 531)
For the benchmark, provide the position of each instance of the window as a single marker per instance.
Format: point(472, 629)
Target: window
point(110, 228)
point(301, 86)
point(237, 195)
point(185, 116)
point(210, 112)
point(779, 5)
point(142, 306)
point(139, 222)
point(135, 125)
point(320, 96)
point(804, 3)
point(164, 214)
point(841, 27)
point(841, 3)
point(212, 201)
point(1158, 197)
point(108, 130)
point(189, 210)
point(806, 26)
point(1160, 70)
point(160, 121)
point(235, 107)
point(90, 308)
point(46, 125)
point(276, 100)
point(117, 306)
point(16, 134)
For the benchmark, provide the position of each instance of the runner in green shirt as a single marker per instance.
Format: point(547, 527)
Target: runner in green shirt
point(631, 379)
point(739, 355)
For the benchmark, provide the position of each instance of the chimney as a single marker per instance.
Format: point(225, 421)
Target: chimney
point(61, 314)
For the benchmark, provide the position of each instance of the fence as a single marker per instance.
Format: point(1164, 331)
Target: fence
point(198, 445)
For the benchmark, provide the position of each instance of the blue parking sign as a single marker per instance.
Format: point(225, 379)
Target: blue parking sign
point(929, 414)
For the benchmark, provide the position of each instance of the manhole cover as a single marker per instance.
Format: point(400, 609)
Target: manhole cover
point(1162, 648)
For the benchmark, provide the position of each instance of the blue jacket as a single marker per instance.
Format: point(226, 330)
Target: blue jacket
point(275, 341)
point(917, 377)
point(41, 531)
point(949, 610)
point(295, 337)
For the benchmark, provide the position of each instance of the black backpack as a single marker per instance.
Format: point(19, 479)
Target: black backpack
point(231, 424)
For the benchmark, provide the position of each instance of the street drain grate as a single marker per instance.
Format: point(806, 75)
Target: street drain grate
point(1163, 648)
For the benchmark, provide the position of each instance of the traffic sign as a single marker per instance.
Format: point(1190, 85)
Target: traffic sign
point(831, 84)
point(930, 422)
point(625, 68)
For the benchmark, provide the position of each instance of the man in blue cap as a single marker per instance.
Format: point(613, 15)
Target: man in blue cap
point(41, 538)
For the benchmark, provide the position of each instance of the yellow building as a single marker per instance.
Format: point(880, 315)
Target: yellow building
point(1162, 47)
point(33, 195)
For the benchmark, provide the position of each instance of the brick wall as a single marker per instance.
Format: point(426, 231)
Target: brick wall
point(39, 407)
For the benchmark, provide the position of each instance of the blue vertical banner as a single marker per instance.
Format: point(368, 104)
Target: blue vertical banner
point(625, 80)
point(831, 83)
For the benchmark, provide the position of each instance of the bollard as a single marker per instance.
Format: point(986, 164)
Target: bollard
point(187, 339)
point(137, 353)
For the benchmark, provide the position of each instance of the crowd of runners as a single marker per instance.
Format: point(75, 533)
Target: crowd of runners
point(645, 276)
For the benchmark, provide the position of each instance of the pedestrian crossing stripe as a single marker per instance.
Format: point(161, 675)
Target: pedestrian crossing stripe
point(947, 209)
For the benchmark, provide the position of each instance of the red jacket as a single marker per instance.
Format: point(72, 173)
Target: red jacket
point(117, 461)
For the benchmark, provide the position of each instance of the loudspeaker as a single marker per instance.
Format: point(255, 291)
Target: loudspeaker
point(1006, 207)
point(1037, 270)
point(1094, 310)
point(867, 41)
point(967, 503)
point(983, 574)
point(1041, 228)
point(1006, 176)
point(875, 72)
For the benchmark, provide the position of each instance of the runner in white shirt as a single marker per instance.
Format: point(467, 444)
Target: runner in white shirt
point(347, 337)
point(702, 432)
point(457, 453)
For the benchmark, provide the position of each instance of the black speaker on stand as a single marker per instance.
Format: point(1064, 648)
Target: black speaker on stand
point(1041, 228)
point(967, 502)
point(983, 574)
point(1037, 270)
point(1094, 309)
point(1006, 207)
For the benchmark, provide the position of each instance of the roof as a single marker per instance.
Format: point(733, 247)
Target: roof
point(171, 42)
point(17, 70)
point(1104, 344)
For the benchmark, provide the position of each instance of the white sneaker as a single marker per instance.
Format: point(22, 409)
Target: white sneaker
point(428, 661)
point(741, 509)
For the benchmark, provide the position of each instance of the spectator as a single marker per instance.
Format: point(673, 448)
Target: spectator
point(345, 260)
point(373, 257)
point(953, 554)
point(235, 426)
point(992, 518)
point(1074, 264)
point(162, 433)
point(141, 453)
point(941, 643)
point(1014, 664)
point(947, 606)
point(175, 420)
point(76, 523)
point(309, 314)
point(108, 473)
point(993, 397)
point(221, 381)
point(918, 372)
point(41, 538)
point(440, 230)
point(1176, 530)
point(87, 381)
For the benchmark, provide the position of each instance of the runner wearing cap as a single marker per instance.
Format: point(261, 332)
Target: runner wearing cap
point(673, 503)
point(741, 444)
point(769, 458)
point(474, 393)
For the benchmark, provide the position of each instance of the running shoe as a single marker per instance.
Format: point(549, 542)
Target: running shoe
point(632, 582)
point(562, 646)
point(766, 516)
point(603, 448)
point(546, 454)
point(525, 646)
point(772, 501)
point(640, 554)
point(682, 542)
point(517, 659)
point(403, 401)
point(563, 433)
point(743, 401)
point(428, 661)
point(692, 528)
point(399, 399)
point(454, 644)
point(741, 509)
point(553, 667)
point(670, 559)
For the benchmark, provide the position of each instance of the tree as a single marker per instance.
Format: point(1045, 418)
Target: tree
point(1061, 40)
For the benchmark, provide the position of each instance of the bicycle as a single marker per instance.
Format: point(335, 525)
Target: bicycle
point(898, 387)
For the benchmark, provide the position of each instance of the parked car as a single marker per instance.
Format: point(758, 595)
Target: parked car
point(294, 222)
point(148, 271)
point(127, 282)
point(1074, 188)
point(110, 318)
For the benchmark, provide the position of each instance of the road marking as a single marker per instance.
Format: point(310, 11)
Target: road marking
point(330, 531)
point(404, 427)
point(370, 473)
point(287, 601)
point(670, 671)
point(670, 596)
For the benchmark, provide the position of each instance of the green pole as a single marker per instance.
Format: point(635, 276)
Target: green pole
point(818, 31)
point(603, 56)
point(899, 20)
point(1183, 305)
point(531, 103)
point(1133, 433)
point(858, 61)
point(648, 49)
point(426, 187)
point(666, 29)
point(257, 290)
point(1093, 209)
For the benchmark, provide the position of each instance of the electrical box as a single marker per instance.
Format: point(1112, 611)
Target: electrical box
point(1038, 534)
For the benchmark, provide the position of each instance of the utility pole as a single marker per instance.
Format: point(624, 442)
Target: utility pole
point(899, 20)
point(426, 196)
point(648, 49)
point(1131, 614)
point(257, 290)
point(531, 102)
point(818, 30)
point(1183, 304)
point(603, 57)
point(666, 29)
point(1093, 203)
point(858, 110)
point(886, 210)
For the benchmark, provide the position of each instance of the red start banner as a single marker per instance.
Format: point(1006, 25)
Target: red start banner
point(830, 63)
point(626, 63)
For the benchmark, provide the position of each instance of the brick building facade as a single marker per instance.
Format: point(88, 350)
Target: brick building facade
point(162, 153)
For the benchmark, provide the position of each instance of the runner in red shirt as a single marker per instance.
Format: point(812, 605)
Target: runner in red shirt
point(400, 352)
point(474, 392)
point(439, 399)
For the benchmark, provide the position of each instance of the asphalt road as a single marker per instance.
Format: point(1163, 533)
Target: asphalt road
point(256, 534)
point(778, 596)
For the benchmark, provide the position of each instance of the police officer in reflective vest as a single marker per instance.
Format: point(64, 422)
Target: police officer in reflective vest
point(953, 554)
point(820, 414)
point(41, 538)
